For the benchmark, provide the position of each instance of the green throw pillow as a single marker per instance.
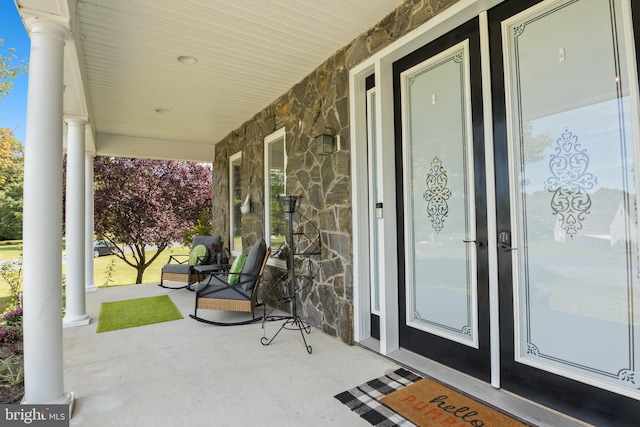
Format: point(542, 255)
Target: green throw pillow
point(236, 267)
point(198, 255)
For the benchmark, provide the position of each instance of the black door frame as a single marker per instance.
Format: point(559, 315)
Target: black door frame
point(370, 83)
point(574, 398)
point(474, 362)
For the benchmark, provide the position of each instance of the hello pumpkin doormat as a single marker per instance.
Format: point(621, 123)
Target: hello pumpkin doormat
point(428, 403)
point(402, 398)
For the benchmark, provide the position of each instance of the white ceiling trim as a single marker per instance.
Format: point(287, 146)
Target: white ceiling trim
point(122, 63)
point(129, 146)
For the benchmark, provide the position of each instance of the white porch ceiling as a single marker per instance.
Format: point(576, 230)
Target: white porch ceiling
point(121, 65)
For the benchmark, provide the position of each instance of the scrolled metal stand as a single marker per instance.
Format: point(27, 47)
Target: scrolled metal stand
point(293, 322)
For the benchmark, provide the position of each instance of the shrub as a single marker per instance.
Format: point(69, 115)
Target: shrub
point(202, 228)
point(13, 317)
point(110, 270)
point(11, 370)
point(11, 272)
point(10, 334)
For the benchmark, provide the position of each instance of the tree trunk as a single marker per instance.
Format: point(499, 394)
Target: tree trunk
point(140, 271)
point(141, 263)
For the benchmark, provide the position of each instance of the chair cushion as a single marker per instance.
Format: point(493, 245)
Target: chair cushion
point(198, 255)
point(176, 268)
point(236, 268)
point(222, 292)
point(213, 243)
point(254, 262)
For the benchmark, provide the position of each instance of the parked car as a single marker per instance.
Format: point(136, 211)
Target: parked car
point(100, 248)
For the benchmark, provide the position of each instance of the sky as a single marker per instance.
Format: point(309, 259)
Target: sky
point(13, 108)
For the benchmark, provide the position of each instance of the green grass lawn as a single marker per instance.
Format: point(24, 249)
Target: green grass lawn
point(123, 274)
point(10, 251)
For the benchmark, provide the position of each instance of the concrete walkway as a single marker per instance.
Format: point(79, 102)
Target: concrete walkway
point(187, 373)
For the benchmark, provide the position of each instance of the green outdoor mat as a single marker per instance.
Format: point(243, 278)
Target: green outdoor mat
point(136, 312)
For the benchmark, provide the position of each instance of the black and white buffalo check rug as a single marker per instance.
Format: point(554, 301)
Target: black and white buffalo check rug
point(364, 400)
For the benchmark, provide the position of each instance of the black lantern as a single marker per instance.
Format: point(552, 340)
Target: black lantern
point(288, 202)
point(326, 142)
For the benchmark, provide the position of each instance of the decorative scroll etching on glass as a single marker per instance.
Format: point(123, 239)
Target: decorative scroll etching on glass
point(439, 197)
point(437, 194)
point(570, 183)
point(574, 213)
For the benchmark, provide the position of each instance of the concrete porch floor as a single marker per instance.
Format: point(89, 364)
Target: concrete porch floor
point(187, 373)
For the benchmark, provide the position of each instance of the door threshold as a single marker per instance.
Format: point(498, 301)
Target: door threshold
point(528, 411)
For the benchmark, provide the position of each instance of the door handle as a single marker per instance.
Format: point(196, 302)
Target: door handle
point(505, 248)
point(479, 243)
point(504, 241)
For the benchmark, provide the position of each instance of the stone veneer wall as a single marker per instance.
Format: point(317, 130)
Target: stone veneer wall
point(324, 181)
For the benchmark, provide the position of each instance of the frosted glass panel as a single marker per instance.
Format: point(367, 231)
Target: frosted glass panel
point(374, 197)
point(574, 193)
point(439, 198)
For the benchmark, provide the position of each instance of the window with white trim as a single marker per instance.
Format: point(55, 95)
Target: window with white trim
point(235, 200)
point(275, 166)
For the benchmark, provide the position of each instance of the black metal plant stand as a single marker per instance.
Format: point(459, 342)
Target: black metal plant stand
point(293, 322)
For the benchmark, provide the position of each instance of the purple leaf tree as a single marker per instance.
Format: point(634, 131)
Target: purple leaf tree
point(141, 202)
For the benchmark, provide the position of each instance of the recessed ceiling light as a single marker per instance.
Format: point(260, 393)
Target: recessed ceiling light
point(187, 59)
point(162, 110)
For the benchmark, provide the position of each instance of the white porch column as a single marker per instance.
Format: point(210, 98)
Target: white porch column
point(74, 224)
point(88, 223)
point(42, 216)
